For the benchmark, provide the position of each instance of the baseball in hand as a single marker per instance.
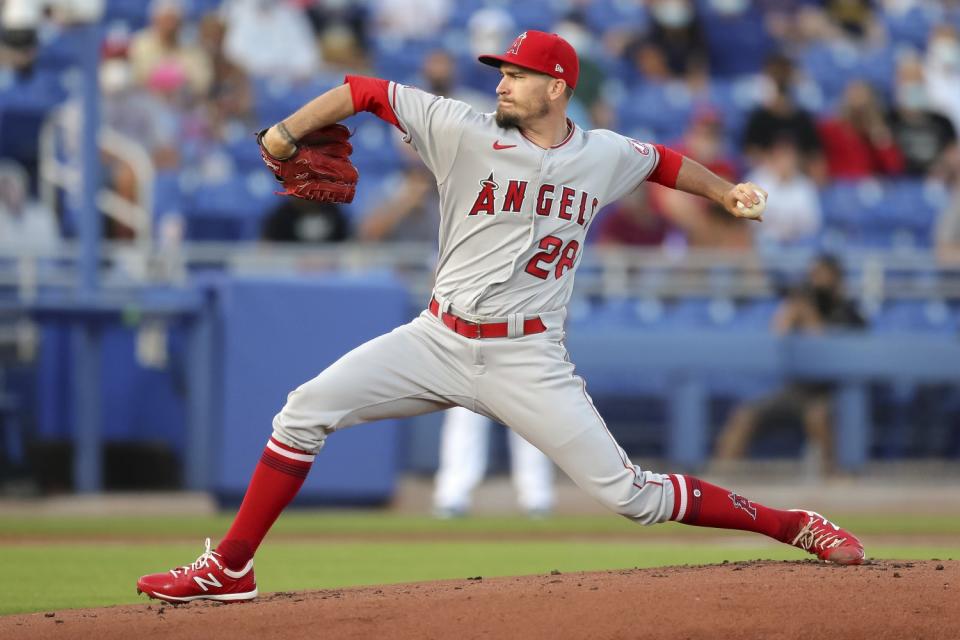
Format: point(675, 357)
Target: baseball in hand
point(755, 211)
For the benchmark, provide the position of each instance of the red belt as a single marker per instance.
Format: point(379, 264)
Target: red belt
point(475, 330)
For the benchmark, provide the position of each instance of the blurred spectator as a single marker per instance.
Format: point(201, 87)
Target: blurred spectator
point(794, 24)
point(161, 44)
point(703, 223)
point(793, 211)
point(343, 50)
point(855, 18)
point(153, 116)
point(947, 232)
point(706, 142)
point(439, 78)
point(631, 221)
point(230, 100)
point(676, 35)
point(18, 35)
point(464, 448)
point(410, 214)
point(943, 72)
point(857, 142)
point(299, 220)
point(410, 19)
point(779, 116)
point(926, 139)
point(24, 222)
point(138, 113)
point(489, 29)
point(270, 39)
point(343, 30)
point(818, 305)
point(590, 82)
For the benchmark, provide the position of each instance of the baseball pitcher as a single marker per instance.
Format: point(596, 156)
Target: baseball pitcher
point(518, 189)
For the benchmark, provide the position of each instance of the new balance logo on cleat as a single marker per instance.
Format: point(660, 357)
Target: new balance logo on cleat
point(209, 580)
point(205, 579)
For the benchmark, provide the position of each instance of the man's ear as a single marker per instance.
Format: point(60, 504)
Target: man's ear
point(557, 88)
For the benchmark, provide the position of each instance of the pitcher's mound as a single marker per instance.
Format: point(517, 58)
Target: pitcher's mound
point(877, 601)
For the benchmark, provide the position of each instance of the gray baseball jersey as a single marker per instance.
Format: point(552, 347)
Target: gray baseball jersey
point(514, 218)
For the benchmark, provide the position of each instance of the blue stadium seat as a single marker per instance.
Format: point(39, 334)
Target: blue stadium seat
point(61, 51)
point(703, 313)
point(831, 67)
point(911, 27)
point(602, 15)
point(533, 15)
point(401, 61)
point(756, 315)
point(376, 145)
point(737, 44)
point(855, 208)
point(907, 216)
point(134, 13)
point(275, 99)
point(167, 195)
point(36, 92)
point(244, 152)
point(462, 11)
point(372, 189)
point(231, 209)
point(878, 66)
point(663, 110)
point(734, 100)
point(932, 316)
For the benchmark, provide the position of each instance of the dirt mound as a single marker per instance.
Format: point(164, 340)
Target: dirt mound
point(769, 600)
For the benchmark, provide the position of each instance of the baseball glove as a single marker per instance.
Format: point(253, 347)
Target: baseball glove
point(320, 168)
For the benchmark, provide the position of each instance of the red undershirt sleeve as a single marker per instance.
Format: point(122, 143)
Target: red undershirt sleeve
point(668, 168)
point(372, 95)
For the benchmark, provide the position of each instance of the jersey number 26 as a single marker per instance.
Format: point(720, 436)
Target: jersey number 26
point(551, 253)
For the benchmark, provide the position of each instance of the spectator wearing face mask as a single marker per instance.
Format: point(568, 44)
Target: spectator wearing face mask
point(926, 139)
point(161, 44)
point(676, 35)
point(942, 67)
point(816, 306)
point(779, 116)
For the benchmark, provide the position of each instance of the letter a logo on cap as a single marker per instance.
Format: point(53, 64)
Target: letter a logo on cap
point(515, 47)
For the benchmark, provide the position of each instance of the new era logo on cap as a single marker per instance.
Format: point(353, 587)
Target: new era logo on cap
point(540, 51)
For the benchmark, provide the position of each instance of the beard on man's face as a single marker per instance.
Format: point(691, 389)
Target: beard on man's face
point(507, 120)
point(515, 120)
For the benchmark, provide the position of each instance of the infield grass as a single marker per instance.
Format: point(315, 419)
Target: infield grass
point(55, 563)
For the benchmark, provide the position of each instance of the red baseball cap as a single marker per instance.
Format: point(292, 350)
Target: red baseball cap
point(539, 51)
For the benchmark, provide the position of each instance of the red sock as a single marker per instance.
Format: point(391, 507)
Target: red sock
point(703, 504)
point(276, 480)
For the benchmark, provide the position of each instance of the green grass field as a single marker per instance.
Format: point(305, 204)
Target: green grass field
point(48, 564)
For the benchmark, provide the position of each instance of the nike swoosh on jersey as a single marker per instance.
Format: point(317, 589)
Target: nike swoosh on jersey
point(497, 146)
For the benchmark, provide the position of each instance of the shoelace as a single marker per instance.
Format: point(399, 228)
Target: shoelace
point(815, 535)
point(200, 563)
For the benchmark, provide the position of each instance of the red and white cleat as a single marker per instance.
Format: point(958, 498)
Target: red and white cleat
point(826, 540)
point(205, 579)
